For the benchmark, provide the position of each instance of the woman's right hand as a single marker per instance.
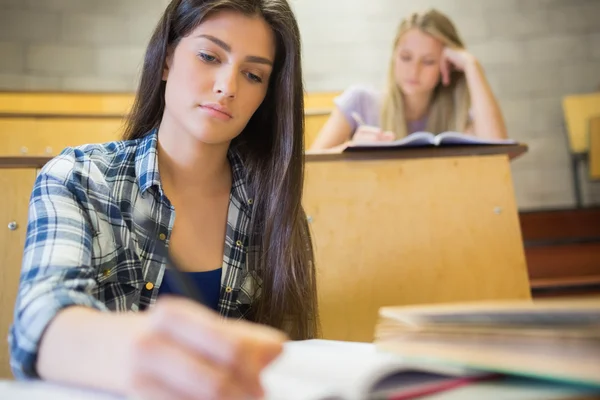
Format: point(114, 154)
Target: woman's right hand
point(186, 351)
point(370, 134)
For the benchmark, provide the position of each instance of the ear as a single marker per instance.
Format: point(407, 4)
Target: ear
point(168, 63)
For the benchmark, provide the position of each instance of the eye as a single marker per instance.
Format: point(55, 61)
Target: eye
point(429, 62)
point(207, 57)
point(404, 58)
point(254, 78)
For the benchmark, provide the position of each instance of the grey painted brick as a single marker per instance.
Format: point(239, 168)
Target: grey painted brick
point(60, 60)
point(498, 52)
point(518, 25)
point(556, 49)
point(523, 81)
point(576, 19)
point(581, 77)
point(119, 61)
point(594, 46)
point(553, 4)
point(546, 114)
point(140, 28)
point(16, 4)
point(25, 25)
point(95, 6)
point(28, 82)
point(11, 58)
point(98, 84)
point(96, 29)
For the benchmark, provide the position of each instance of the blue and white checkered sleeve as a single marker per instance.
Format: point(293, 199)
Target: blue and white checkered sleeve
point(56, 271)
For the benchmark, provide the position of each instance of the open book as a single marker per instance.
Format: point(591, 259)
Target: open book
point(330, 370)
point(427, 139)
point(553, 340)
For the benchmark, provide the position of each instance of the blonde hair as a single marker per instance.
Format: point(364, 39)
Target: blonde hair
point(449, 107)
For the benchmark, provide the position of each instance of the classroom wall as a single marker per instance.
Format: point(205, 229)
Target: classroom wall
point(534, 51)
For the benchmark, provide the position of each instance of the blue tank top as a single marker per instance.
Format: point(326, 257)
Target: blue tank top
point(207, 282)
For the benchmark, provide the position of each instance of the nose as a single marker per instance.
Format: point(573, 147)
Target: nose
point(415, 69)
point(226, 83)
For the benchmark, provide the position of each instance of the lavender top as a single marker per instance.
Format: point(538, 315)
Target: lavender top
point(367, 102)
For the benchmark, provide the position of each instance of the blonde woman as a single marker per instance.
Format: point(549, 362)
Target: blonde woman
point(434, 85)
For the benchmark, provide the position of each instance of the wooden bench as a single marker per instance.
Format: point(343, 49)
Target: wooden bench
point(594, 153)
point(579, 110)
point(42, 124)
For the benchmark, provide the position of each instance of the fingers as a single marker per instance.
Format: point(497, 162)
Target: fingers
point(387, 136)
point(368, 134)
point(445, 70)
point(169, 369)
point(240, 347)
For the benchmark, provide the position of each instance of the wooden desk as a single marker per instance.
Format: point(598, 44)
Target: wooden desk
point(412, 226)
point(389, 228)
point(16, 180)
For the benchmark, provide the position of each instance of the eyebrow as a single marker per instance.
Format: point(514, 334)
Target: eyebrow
point(227, 48)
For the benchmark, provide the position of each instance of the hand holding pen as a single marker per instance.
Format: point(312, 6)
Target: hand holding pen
point(182, 349)
point(368, 134)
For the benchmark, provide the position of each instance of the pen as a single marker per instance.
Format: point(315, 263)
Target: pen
point(176, 277)
point(358, 118)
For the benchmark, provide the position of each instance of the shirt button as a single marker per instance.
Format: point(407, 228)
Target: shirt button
point(106, 272)
point(250, 201)
point(228, 289)
point(149, 285)
point(238, 243)
point(162, 236)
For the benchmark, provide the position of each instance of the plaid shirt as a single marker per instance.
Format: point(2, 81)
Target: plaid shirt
point(84, 248)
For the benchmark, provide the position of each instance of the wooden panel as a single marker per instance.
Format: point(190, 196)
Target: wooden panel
point(395, 232)
point(97, 104)
point(512, 151)
point(580, 259)
point(320, 100)
point(594, 155)
point(65, 103)
point(557, 225)
point(578, 109)
point(43, 136)
point(16, 185)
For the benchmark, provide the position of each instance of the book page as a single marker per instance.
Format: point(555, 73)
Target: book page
point(322, 369)
point(318, 369)
point(457, 138)
point(417, 139)
point(39, 390)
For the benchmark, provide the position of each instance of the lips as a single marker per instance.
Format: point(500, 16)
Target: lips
point(216, 110)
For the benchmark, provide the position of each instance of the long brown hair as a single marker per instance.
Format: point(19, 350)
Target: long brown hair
point(271, 147)
point(449, 108)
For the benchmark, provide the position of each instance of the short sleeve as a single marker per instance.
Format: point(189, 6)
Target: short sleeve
point(361, 100)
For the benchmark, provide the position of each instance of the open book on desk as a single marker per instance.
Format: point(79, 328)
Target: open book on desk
point(553, 340)
point(330, 370)
point(319, 370)
point(428, 139)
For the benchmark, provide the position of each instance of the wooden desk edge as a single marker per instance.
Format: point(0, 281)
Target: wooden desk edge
point(23, 162)
point(512, 151)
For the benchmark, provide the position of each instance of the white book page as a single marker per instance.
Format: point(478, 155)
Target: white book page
point(412, 140)
point(39, 390)
point(456, 138)
point(320, 369)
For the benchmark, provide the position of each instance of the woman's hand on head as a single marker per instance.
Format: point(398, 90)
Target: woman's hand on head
point(370, 134)
point(186, 351)
point(455, 58)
